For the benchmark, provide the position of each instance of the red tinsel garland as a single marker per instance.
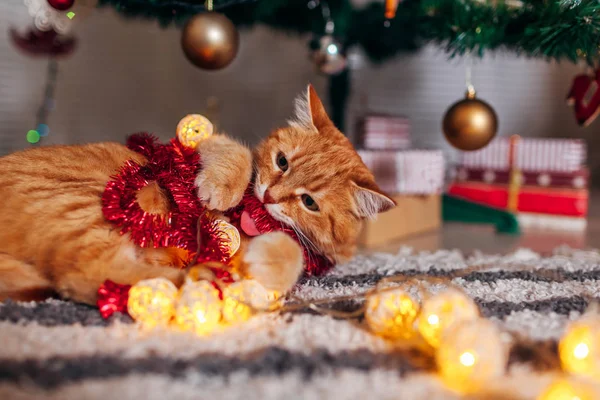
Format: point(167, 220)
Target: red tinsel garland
point(112, 298)
point(314, 264)
point(174, 168)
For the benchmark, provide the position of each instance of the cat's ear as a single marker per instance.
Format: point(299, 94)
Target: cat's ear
point(309, 111)
point(370, 202)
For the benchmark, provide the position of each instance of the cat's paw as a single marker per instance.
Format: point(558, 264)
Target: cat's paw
point(226, 172)
point(275, 260)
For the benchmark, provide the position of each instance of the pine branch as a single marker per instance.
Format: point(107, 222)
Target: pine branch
point(551, 29)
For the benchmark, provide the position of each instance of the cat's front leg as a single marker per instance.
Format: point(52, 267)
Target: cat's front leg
point(273, 259)
point(226, 172)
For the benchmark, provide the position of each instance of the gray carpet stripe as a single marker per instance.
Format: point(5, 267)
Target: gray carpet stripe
point(56, 313)
point(58, 371)
point(558, 305)
point(369, 279)
point(66, 313)
point(55, 372)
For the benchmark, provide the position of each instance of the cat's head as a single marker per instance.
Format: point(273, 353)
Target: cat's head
point(309, 176)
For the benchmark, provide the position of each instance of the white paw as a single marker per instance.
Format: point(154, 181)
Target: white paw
point(275, 260)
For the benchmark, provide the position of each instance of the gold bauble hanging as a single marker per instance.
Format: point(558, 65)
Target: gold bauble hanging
point(470, 124)
point(210, 40)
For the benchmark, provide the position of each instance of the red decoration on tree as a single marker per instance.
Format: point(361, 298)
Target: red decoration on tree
point(61, 5)
point(584, 96)
point(38, 43)
point(112, 298)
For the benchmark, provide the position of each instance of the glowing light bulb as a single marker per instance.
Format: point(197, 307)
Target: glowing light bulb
point(199, 307)
point(242, 299)
point(470, 355)
point(392, 313)
point(581, 351)
point(569, 389)
point(152, 302)
point(192, 129)
point(467, 359)
point(441, 311)
point(579, 348)
point(332, 49)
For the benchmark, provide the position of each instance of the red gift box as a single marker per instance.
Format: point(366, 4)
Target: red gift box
point(529, 199)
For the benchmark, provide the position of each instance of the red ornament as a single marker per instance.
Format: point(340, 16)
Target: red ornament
point(112, 297)
point(584, 96)
point(38, 43)
point(61, 5)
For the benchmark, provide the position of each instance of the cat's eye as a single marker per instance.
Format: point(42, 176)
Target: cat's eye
point(309, 202)
point(282, 162)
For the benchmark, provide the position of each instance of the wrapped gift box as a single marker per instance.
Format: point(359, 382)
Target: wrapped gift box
point(548, 155)
point(575, 180)
point(544, 181)
point(530, 199)
point(383, 132)
point(406, 172)
point(415, 179)
point(413, 215)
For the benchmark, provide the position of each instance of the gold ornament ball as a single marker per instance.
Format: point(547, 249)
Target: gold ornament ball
point(230, 235)
point(470, 124)
point(392, 313)
point(210, 40)
point(471, 354)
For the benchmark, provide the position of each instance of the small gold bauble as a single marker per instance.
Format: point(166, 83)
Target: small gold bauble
point(192, 129)
point(210, 40)
point(470, 124)
point(231, 236)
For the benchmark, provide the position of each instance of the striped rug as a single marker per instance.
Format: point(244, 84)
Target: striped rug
point(60, 350)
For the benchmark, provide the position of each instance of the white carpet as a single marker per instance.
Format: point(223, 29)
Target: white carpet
point(59, 350)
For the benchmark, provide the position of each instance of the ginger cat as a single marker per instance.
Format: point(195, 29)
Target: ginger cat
point(54, 238)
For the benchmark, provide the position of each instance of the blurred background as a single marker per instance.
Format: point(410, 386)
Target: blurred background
point(130, 75)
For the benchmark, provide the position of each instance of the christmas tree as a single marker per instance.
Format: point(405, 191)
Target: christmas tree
point(553, 30)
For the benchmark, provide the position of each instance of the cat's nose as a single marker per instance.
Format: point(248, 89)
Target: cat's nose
point(268, 199)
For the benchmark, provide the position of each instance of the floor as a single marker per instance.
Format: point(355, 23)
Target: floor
point(469, 238)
